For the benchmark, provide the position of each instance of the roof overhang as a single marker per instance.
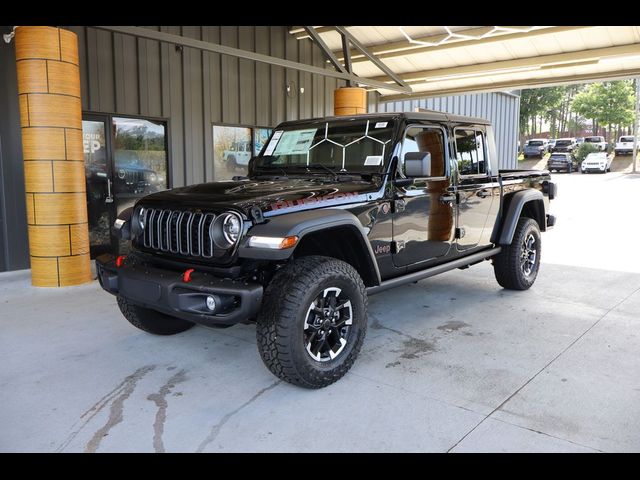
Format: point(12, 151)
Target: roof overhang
point(436, 61)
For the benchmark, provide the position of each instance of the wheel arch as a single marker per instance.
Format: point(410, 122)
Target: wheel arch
point(525, 203)
point(330, 232)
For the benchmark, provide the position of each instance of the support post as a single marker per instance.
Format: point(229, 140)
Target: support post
point(51, 121)
point(349, 101)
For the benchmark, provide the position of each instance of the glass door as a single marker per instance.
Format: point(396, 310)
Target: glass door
point(125, 159)
point(98, 176)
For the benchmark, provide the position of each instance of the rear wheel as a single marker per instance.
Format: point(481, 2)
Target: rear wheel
point(151, 321)
point(516, 266)
point(313, 321)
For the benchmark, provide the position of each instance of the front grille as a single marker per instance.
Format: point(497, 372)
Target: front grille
point(179, 232)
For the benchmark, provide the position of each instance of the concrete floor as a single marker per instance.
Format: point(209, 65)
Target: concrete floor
point(453, 363)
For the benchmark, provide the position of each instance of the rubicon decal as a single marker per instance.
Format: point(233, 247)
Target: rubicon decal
point(279, 205)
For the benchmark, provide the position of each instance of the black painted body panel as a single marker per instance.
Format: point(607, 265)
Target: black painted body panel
point(372, 200)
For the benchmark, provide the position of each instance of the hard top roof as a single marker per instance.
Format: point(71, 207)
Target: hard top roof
point(408, 116)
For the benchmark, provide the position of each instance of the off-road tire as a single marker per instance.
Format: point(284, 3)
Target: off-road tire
point(151, 321)
point(506, 265)
point(280, 324)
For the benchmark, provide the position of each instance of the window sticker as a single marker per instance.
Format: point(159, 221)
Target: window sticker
point(274, 141)
point(381, 124)
point(295, 142)
point(373, 160)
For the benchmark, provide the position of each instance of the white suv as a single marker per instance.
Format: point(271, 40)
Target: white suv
point(596, 162)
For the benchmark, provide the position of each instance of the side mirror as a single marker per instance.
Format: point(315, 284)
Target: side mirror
point(417, 164)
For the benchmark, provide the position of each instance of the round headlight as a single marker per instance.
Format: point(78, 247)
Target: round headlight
point(142, 218)
point(225, 230)
point(231, 228)
point(153, 177)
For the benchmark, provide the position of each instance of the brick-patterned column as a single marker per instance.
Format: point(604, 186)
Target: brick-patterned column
point(51, 121)
point(349, 101)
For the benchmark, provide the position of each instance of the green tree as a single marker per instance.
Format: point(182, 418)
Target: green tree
point(537, 104)
point(607, 103)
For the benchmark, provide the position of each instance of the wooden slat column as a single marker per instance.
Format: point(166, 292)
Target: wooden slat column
point(51, 121)
point(349, 101)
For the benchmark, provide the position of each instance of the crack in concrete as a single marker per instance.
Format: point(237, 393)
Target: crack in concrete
point(215, 430)
point(115, 412)
point(97, 407)
point(160, 399)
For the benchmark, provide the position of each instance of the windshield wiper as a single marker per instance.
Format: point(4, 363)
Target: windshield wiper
point(274, 167)
point(324, 167)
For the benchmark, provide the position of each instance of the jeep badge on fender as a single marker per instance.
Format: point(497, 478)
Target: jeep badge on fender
point(331, 211)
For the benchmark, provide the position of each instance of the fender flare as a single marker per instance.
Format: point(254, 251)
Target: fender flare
point(514, 210)
point(301, 224)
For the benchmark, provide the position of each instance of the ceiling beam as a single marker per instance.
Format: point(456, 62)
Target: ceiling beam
point(300, 32)
point(560, 60)
point(518, 84)
point(327, 51)
point(372, 58)
point(404, 47)
point(258, 57)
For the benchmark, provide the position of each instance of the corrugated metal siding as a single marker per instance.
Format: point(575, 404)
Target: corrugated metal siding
point(193, 89)
point(502, 110)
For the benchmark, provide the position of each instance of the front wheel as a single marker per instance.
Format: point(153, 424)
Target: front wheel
point(516, 266)
point(313, 321)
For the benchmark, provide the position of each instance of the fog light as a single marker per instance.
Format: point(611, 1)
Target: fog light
point(211, 303)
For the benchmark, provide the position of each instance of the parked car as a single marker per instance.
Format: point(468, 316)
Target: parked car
point(551, 143)
point(597, 162)
point(562, 162)
point(298, 245)
point(598, 141)
point(536, 147)
point(238, 154)
point(565, 145)
point(624, 145)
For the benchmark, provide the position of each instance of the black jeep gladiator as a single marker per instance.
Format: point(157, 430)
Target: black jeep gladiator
point(331, 211)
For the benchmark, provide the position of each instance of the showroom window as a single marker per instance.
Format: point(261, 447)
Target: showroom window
point(233, 146)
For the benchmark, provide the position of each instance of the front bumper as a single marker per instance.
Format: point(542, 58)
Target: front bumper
point(593, 168)
point(623, 151)
point(166, 291)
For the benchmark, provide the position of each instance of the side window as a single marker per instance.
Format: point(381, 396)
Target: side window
point(424, 139)
point(470, 152)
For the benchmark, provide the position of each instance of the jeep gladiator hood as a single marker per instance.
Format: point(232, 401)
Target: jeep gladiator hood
point(273, 197)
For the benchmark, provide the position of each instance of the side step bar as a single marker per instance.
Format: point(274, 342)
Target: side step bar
point(430, 272)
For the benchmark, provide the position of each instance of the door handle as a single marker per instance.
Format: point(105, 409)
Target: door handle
point(447, 198)
point(483, 193)
point(109, 198)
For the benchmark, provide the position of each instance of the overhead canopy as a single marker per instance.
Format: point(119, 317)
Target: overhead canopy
point(436, 61)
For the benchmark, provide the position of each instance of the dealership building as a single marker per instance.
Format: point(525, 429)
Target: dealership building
point(156, 115)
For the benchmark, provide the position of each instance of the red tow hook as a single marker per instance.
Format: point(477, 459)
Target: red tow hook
point(186, 276)
point(120, 260)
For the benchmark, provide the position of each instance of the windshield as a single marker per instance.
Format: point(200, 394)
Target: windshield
point(562, 143)
point(593, 139)
point(340, 145)
point(534, 143)
point(558, 156)
point(626, 139)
